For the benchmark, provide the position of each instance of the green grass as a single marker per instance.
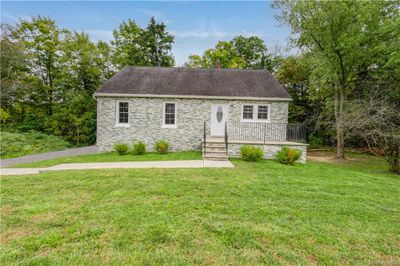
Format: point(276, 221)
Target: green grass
point(256, 213)
point(114, 157)
point(20, 144)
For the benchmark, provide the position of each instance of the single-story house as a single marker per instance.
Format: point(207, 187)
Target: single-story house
point(217, 110)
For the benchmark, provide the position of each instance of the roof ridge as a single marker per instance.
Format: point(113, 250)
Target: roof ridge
point(200, 68)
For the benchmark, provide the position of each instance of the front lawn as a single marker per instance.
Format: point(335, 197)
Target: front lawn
point(256, 213)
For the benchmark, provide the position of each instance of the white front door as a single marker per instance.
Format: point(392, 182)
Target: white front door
point(219, 115)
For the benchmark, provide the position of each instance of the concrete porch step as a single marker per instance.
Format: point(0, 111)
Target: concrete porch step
point(215, 139)
point(212, 153)
point(213, 145)
point(215, 157)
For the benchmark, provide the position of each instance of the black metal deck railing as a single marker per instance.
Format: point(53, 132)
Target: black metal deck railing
point(253, 131)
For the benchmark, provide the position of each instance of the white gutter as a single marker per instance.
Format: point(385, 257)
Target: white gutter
point(102, 94)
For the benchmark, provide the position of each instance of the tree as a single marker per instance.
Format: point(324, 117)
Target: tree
point(159, 44)
point(195, 61)
point(142, 47)
point(86, 66)
point(253, 51)
point(294, 75)
point(223, 55)
point(13, 68)
point(340, 34)
point(42, 40)
point(128, 48)
point(377, 121)
point(240, 52)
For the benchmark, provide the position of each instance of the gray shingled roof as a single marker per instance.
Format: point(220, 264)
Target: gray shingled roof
point(194, 81)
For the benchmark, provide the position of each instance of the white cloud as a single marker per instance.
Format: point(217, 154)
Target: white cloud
point(158, 15)
point(100, 35)
point(16, 19)
point(11, 17)
point(199, 34)
point(153, 13)
point(209, 29)
point(216, 34)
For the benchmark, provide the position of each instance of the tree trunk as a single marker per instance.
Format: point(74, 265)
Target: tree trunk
point(392, 155)
point(339, 108)
point(394, 165)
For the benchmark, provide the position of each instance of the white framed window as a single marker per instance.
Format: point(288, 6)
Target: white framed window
point(248, 112)
point(256, 113)
point(122, 114)
point(262, 112)
point(169, 115)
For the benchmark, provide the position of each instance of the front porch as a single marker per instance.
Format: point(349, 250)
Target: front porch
point(270, 137)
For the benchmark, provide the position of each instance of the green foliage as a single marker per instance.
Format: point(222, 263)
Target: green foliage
point(139, 148)
point(42, 40)
point(161, 146)
point(49, 74)
point(315, 142)
point(353, 47)
point(4, 116)
point(240, 52)
point(13, 65)
point(142, 47)
point(75, 120)
point(251, 153)
point(49, 77)
point(20, 144)
point(288, 156)
point(121, 148)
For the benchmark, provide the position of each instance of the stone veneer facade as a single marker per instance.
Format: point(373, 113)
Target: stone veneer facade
point(146, 120)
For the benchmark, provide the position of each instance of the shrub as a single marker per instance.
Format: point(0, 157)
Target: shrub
point(16, 144)
point(121, 148)
point(315, 142)
point(161, 146)
point(251, 153)
point(288, 156)
point(139, 148)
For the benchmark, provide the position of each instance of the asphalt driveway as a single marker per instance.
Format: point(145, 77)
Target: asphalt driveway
point(48, 156)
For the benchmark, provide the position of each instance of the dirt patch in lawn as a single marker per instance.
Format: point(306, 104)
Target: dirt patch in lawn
point(326, 157)
point(16, 234)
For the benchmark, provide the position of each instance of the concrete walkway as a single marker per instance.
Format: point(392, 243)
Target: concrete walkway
point(48, 156)
point(120, 165)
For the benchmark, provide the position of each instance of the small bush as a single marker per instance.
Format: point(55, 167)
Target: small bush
point(315, 142)
point(251, 153)
point(139, 148)
point(16, 144)
point(121, 148)
point(288, 156)
point(161, 146)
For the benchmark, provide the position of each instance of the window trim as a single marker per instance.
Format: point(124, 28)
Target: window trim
point(117, 123)
point(163, 115)
point(252, 112)
point(255, 113)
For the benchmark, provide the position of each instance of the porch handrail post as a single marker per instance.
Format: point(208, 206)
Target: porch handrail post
point(265, 130)
point(226, 138)
point(204, 138)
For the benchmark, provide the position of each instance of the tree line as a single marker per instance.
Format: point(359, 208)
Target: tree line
point(344, 80)
point(49, 74)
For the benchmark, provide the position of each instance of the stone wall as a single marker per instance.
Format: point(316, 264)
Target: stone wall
point(269, 149)
point(146, 120)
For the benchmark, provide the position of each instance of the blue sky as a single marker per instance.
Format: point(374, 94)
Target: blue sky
point(197, 26)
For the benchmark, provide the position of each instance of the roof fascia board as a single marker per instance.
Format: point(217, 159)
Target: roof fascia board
point(102, 94)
